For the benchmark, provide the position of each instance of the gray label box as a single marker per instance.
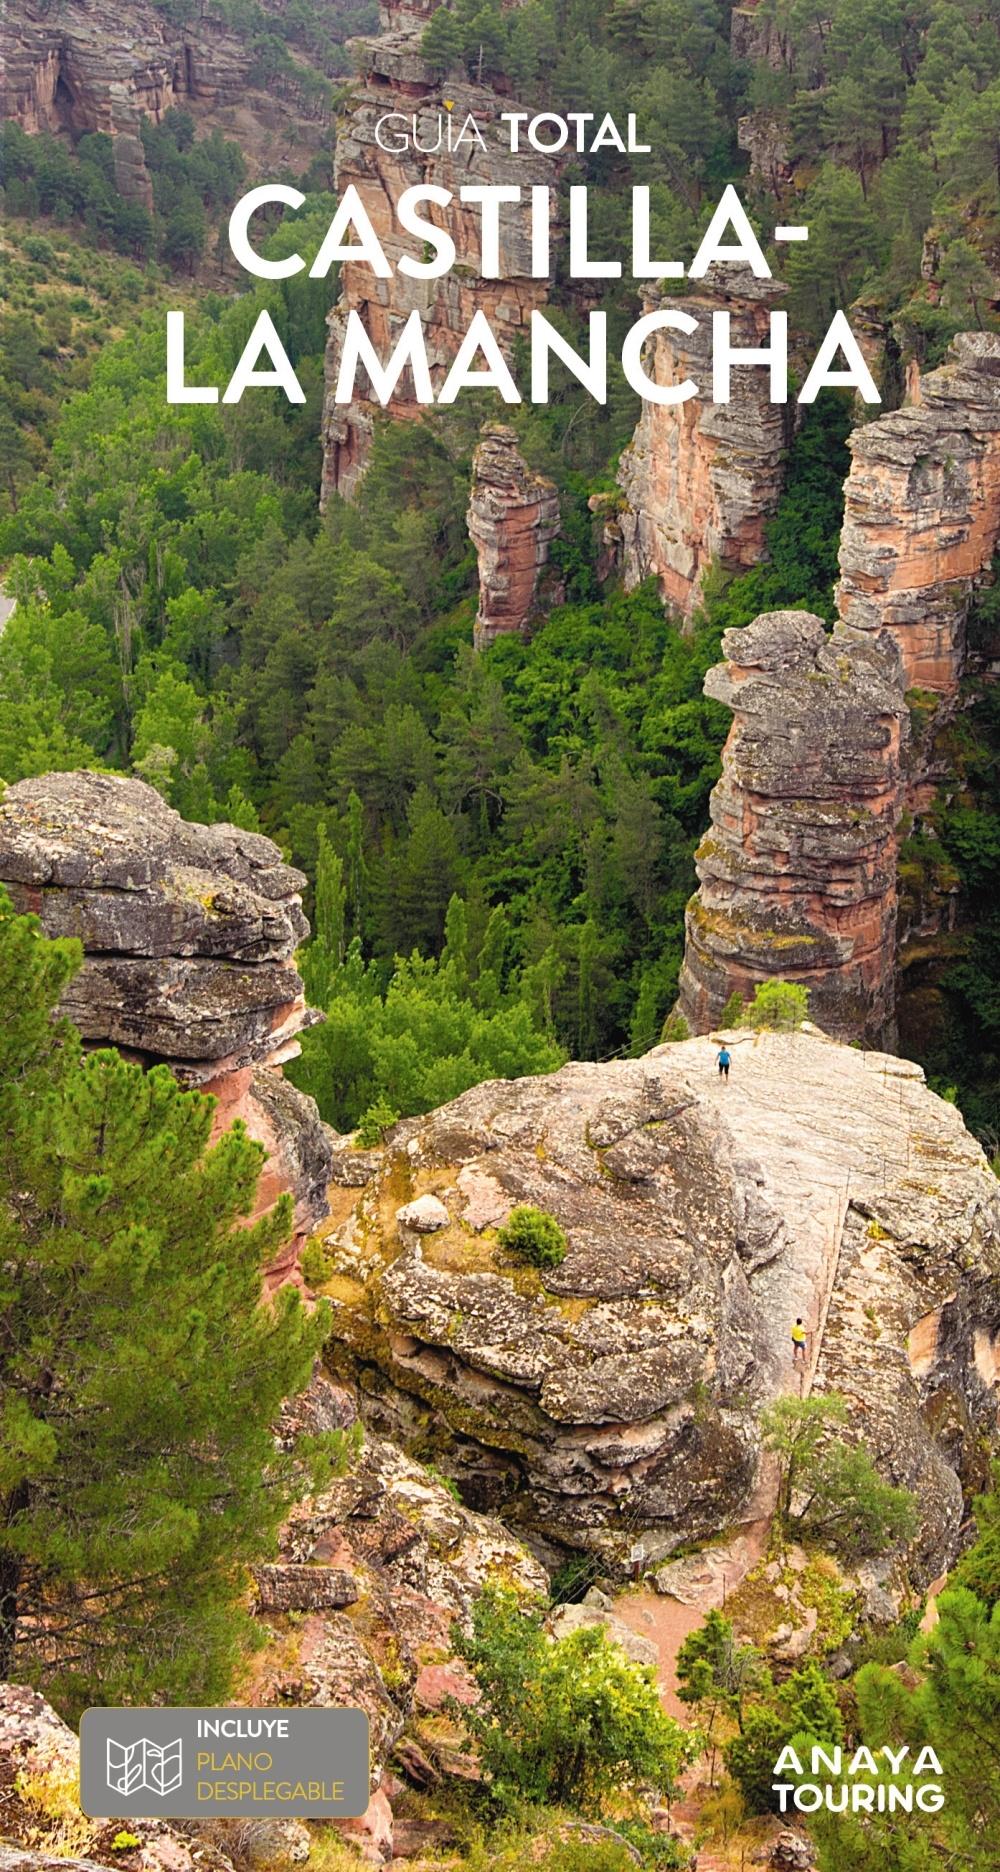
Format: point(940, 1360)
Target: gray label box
point(197, 1764)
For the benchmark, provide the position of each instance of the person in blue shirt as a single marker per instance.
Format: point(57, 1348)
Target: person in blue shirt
point(724, 1062)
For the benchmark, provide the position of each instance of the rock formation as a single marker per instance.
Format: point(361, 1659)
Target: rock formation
point(922, 514)
point(618, 1393)
point(395, 78)
point(39, 1792)
point(513, 518)
point(797, 871)
point(83, 66)
point(189, 934)
point(399, 1560)
point(702, 479)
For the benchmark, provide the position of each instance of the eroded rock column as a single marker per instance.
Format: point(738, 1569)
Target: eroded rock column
point(702, 479)
point(513, 518)
point(922, 514)
point(413, 150)
point(797, 871)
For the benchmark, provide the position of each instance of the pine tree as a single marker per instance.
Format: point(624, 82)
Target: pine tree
point(140, 1370)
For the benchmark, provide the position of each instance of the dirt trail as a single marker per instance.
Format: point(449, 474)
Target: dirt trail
point(815, 1188)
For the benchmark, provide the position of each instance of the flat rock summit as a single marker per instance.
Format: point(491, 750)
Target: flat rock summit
point(618, 1395)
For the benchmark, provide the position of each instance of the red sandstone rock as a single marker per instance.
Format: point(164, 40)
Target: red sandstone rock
point(395, 78)
point(702, 479)
point(189, 935)
point(90, 65)
point(513, 518)
point(922, 514)
point(797, 870)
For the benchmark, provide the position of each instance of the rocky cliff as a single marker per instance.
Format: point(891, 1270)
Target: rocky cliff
point(357, 1609)
point(395, 78)
point(618, 1394)
point(797, 872)
point(79, 65)
point(922, 514)
point(702, 479)
point(189, 934)
point(513, 518)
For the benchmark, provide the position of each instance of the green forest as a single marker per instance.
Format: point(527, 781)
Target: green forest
point(499, 848)
point(185, 614)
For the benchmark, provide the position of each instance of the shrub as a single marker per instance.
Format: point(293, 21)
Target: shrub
point(315, 1264)
point(568, 1721)
point(374, 1123)
point(675, 1027)
point(778, 1004)
point(533, 1235)
point(806, 1707)
point(734, 1012)
point(829, 1488)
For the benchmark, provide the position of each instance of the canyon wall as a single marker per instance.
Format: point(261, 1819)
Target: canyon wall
point(189, 934)
point(513, 518)
point(702, 479)
point(394, 78)
point(82, 65)
point(922, 514)
point(797, 872)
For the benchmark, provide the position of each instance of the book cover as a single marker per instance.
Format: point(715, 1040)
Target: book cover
point(499, 947)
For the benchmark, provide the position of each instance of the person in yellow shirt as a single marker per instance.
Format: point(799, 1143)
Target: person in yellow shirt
point(799, 1340)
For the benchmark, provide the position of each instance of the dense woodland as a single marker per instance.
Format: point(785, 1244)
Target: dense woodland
point(183, 612)
point(499, 849)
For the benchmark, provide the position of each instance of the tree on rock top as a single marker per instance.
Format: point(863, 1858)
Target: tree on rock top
point(140, 1371)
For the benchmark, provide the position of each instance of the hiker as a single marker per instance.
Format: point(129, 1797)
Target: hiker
point(799, 1338)
point(724, 1062)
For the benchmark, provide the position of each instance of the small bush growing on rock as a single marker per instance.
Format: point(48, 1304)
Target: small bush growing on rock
point(374, 1123)
point(675, 1027)
point(534, 1235)
point(778, 1004)
point(829, 1488)
point(563, 1721)
point(315, 1264)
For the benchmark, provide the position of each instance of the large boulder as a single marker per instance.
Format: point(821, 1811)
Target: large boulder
point(189, 935)
point(619, 1394)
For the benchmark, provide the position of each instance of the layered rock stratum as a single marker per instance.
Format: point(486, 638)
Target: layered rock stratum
point(84, 65)
point(189, 934)
point(702, 479)
point(513, 518)
point(797, 872)
point(619, 1394)
point(922, 514)
point(395, 78)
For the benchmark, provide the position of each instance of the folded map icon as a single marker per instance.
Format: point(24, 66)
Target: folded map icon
point(144, 1764)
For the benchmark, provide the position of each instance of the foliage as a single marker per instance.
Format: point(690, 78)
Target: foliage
point(532, 1235)
point(978, 1570)
point(803, 1712)
point(950, 1701)
point(780, 1004)
point(141, 1371)
point(374, 1122)
point(829, 1488)
point(566, 1720)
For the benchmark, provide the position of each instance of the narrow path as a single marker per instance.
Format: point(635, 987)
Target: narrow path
point(814, 1200)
